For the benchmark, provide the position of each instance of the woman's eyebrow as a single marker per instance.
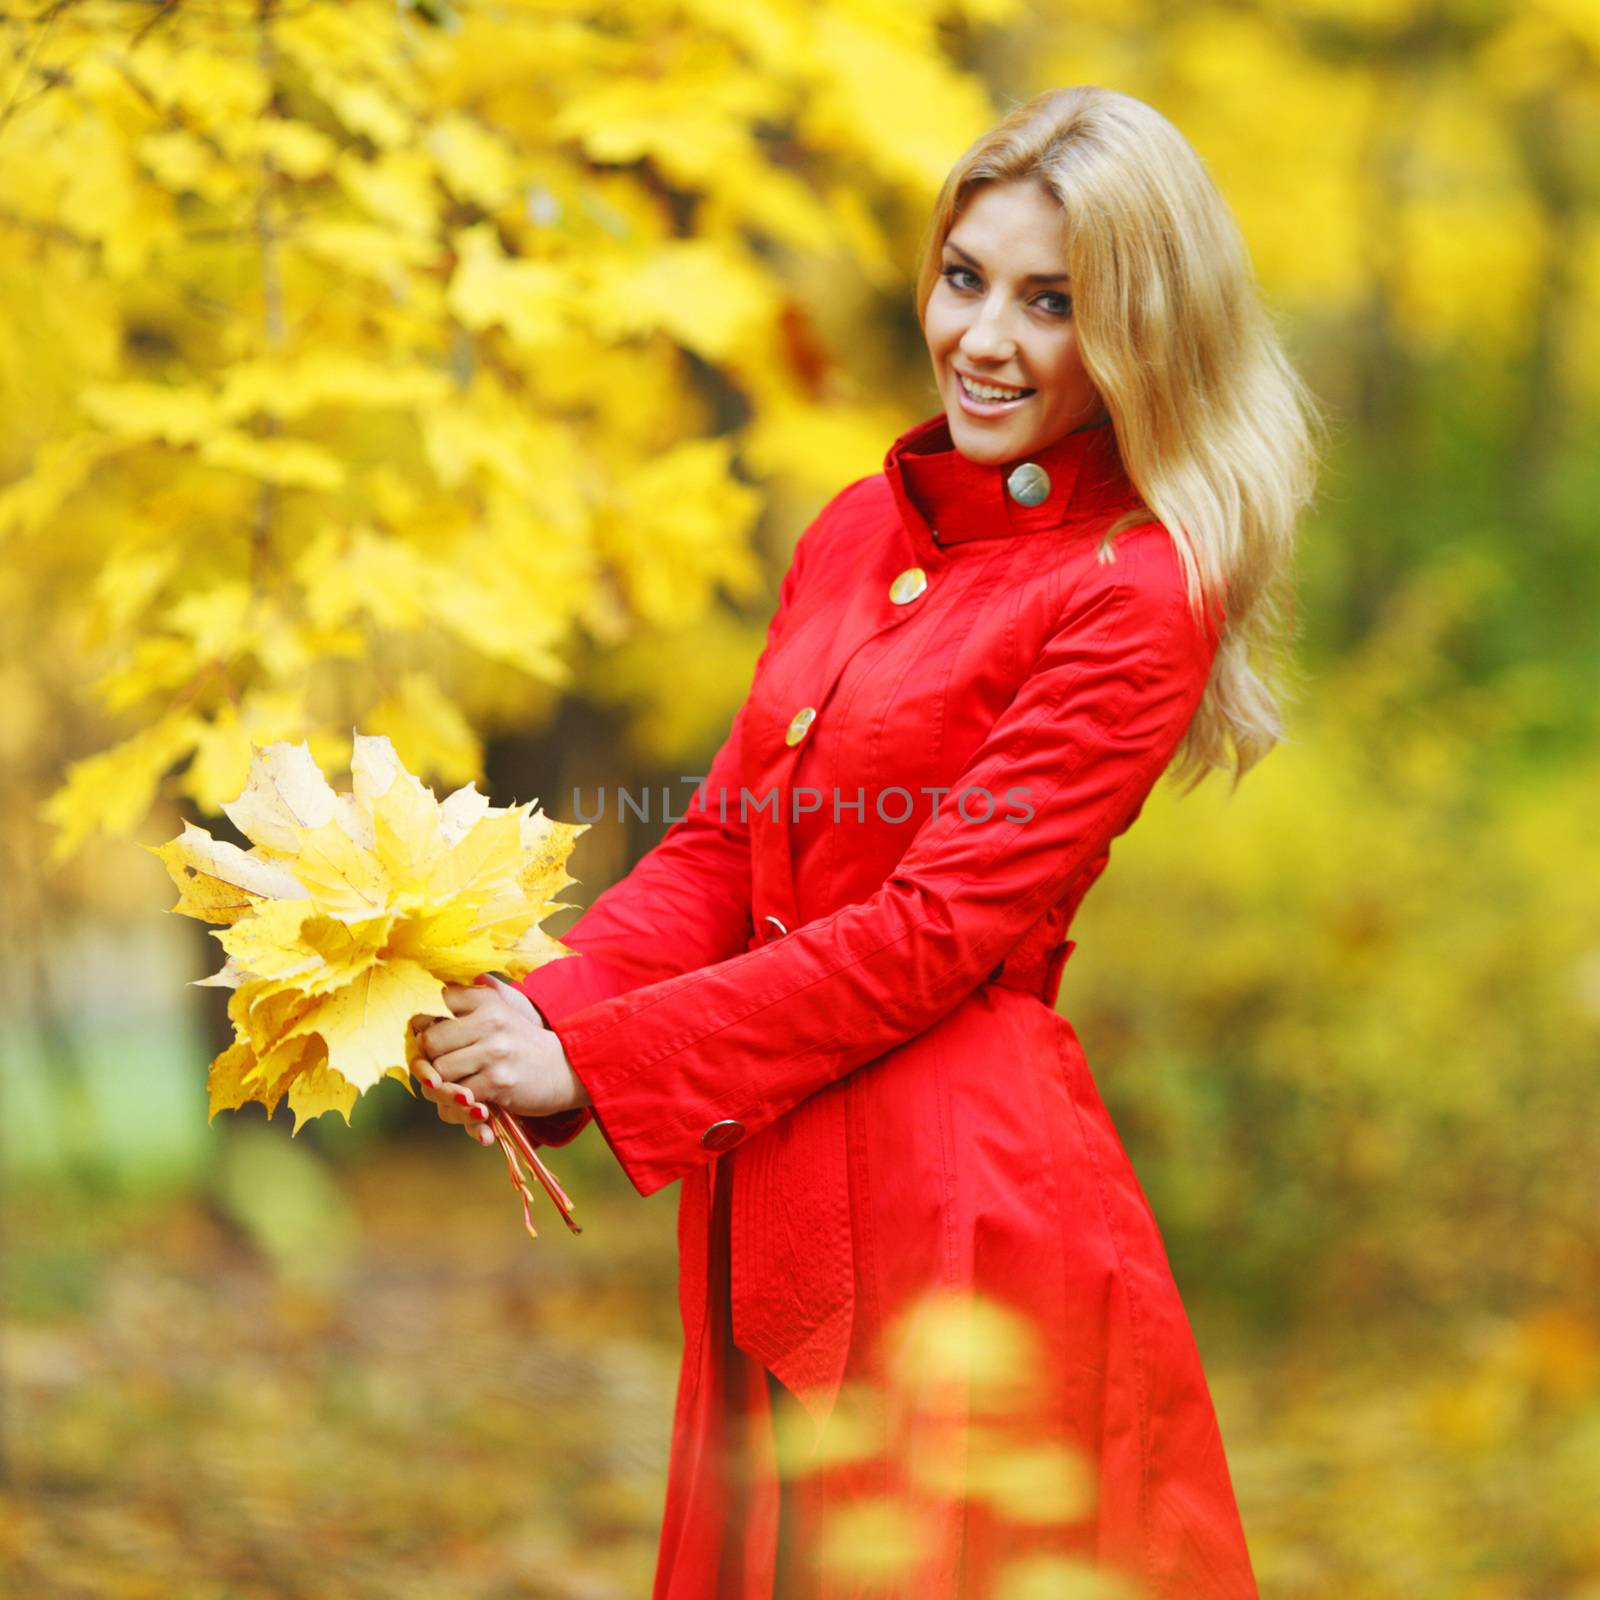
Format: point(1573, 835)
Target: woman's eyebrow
point(1032, 277)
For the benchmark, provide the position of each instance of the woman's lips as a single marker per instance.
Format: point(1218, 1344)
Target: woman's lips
point(987, 408)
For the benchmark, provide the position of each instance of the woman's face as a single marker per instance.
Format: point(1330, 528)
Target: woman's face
point(1001, 315)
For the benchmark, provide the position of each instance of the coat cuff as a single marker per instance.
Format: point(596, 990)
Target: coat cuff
point(560, 1127)
point(641, 1115)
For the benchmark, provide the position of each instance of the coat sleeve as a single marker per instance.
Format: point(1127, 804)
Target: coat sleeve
point(684, 905)
point(1092, 727)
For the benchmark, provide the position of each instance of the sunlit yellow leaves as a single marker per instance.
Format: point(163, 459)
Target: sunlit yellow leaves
point(477, 166)
point(221, 762)
point(170, 413)
point(296, 149)
point(487, 614)
point(706, 294)
point(364, 108)
point(123, 588)
point(1470, 204)
point(395, 187)
point(156, 665)
point(346, 574)
point(395, 326)
point(365, 250)
point(288, 650)
point(351, 911)
point(422, 720)
point(404, 327)
point(100, 202)
point(820, 447)
point(861, 69)
point(179, 161)
point(294, 463)
point(263, 1064)
point(998, 11)
point(485, 437)
point(770, 201)
point(288, 387)
point(669, 527)
point(531, 300)
point(212, 619)
point(681, 687)
point(60, 469)
point(689, 122)
point(111, 792)
point(219, 83)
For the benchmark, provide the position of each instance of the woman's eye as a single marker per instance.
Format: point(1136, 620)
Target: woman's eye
point(1062, 308)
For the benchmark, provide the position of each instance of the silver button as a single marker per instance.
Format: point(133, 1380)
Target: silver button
point(912, 582)
point(774, 921)
point(800, 725)
point(722, 1135)
point(1029, 484)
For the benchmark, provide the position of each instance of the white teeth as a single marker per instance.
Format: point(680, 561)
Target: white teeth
point(986, 391)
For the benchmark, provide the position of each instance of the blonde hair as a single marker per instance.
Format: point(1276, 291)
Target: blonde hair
point(1216, 430)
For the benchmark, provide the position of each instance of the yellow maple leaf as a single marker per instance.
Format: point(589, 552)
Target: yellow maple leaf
point(351, 911)
point(218, 881)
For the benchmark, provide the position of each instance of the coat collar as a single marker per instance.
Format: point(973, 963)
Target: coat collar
point(945, 498)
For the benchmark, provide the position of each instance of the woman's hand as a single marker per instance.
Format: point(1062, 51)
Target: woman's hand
point(495, 1048)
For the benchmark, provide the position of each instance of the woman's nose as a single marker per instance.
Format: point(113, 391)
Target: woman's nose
point(986, 338)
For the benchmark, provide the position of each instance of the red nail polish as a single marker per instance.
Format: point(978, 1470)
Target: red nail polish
point(463, 1099)
point(481, 1113)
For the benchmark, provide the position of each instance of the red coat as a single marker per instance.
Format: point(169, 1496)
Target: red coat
point(827, 1007)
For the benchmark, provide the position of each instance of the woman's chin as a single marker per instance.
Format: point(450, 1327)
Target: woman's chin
point(987, 442)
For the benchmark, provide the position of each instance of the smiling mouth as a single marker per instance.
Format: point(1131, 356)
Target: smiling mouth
point(989, 394)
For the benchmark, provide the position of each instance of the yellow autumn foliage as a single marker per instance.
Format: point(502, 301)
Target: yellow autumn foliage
point(366, 357)
point(468, 344)
point(349, 914)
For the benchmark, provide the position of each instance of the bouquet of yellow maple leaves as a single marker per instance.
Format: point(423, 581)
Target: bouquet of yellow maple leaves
point(349, 915)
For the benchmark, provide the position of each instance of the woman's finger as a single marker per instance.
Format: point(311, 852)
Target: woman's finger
point(454, 1104)
point(477, 1123)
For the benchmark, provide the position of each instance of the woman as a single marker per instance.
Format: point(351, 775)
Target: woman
point(933, 1346)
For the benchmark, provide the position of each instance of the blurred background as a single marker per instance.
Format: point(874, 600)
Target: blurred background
point(465, 373)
